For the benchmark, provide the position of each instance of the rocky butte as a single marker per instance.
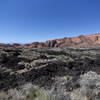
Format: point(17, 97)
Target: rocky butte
point(82, 40)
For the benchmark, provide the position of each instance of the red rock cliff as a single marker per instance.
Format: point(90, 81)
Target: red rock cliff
point(83, 40)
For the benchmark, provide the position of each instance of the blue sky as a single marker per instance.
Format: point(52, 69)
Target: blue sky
point(25, 21)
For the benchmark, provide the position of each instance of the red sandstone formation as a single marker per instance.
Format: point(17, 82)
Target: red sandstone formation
point(83, 40)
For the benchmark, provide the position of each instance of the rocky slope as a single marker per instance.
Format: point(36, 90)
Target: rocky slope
point(68, 73)
point(88, 40)
point(83, 40)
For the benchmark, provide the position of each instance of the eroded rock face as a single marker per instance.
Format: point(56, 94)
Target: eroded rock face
point(83, 40)
point(88, 40)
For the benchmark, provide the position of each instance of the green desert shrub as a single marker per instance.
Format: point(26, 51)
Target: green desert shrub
point(89, 90)
point(26, 92)
point(89, 87)
point(38, 94)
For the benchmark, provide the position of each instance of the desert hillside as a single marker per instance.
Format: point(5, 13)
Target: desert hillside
point(50, 73)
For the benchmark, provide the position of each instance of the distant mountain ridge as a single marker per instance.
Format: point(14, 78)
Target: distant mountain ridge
point(82, 40)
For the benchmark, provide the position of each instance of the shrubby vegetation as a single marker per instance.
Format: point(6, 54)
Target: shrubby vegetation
point(89, 90)
point(70, 73)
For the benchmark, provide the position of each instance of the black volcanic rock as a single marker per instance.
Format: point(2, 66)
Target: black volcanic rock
point(33, 64)
point(45, 66)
